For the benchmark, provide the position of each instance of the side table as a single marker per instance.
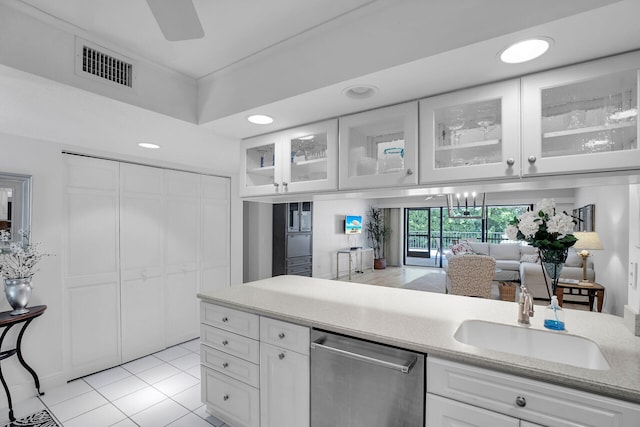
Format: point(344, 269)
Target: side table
point(7, 322)
point(592, 290)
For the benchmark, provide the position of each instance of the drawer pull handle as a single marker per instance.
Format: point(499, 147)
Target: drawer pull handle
point(225, 397)
point(521, 401)
point(281, 356)
point(225, 342)
point(225, 319)
point(281, 335)
point(225, 365)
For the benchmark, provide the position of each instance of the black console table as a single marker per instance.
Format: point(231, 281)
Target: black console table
point(7, 321)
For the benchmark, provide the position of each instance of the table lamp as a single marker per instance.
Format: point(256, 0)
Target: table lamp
point(587, 240)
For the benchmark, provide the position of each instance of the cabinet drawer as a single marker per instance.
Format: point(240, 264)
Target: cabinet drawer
point(236, 321)
point(236, 403)
point(300, 260)
point(443, 412)
point(230, 343)
point(232, 366)
point(285, 335)
point(543, 403)
point(299, 270)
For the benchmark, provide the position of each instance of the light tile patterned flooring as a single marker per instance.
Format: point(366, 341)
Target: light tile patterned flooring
point(162, 389)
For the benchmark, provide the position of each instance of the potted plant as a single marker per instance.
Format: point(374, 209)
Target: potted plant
point(377, 232)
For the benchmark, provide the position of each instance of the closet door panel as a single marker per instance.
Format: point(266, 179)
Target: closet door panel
point(91, 265)
point(182, 255)
point(142, 271)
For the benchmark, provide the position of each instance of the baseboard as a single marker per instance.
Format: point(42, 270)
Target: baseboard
point(26, 389)
point(632, 320)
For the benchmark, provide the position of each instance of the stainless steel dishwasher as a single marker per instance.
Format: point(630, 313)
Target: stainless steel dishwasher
point(356, 383)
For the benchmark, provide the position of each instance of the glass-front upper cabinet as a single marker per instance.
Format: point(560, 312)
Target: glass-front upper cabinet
point(379, 148)
point(582, 118)
point(296, 160)
point(471, 134)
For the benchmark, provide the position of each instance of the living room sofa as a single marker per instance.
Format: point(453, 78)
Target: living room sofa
point(516, 262)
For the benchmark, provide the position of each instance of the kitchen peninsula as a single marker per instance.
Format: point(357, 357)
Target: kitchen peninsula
point(426, 323)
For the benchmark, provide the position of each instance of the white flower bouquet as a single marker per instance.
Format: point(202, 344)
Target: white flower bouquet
point(19, 259)
point(543, 227)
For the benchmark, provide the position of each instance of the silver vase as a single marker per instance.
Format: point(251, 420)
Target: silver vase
point(18, 292)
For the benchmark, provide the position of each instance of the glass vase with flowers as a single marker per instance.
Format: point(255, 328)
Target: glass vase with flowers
point(547, 230)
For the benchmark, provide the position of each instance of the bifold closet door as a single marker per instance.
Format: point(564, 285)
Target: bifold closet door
point(182, 255)
point(141, 260)
point(91, 265)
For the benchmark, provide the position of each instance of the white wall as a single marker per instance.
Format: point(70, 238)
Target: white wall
point(612, 225)
point(328, 234)
point(43, 343)
point(257, 241)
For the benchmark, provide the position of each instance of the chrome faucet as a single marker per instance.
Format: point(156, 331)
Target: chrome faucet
point(525, 306)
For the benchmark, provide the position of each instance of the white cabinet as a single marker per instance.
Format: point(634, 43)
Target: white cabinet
point(229, 354)
point(296, 160)
point(284, 374)
point(442, 412)
point(471, 134)
point(255, 370)
point(379, 148)
point(523, 399)
point(582, 118)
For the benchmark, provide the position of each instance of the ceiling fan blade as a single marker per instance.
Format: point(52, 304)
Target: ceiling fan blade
point(177, 19)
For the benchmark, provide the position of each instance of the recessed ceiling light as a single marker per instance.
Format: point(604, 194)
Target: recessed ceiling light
point(525, 50)
point(148, 145)
point(260, 119)
point(360, 91)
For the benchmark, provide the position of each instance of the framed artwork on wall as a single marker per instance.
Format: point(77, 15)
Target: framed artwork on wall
point(585, 217)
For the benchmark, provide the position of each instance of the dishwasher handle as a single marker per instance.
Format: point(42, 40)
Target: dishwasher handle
point(404, 368)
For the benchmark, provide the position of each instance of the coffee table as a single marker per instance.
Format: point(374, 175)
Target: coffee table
point(590, 290)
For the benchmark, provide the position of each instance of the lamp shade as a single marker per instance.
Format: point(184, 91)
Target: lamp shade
point(587, 240)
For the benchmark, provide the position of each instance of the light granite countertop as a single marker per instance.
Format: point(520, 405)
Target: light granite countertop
point(426, 322)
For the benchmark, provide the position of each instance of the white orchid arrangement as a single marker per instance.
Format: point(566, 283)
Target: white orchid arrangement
point(543, 227)
point(19, 259)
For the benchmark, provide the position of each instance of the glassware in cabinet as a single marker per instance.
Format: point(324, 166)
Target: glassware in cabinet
point(378, 148)
point(582, 118)
point(477, 129)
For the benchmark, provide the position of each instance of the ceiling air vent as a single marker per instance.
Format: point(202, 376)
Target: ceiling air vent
point(101, 64)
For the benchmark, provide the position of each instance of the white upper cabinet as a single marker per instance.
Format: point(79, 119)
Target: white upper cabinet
point(582, 118)
point(379, 148)
point(471, 134)
point(297, 160)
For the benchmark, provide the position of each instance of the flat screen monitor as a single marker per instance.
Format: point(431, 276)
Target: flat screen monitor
point(353, 224)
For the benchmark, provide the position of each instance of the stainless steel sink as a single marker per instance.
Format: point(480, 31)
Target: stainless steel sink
point(551, 346)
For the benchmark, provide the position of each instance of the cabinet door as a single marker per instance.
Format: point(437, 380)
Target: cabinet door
point(442, 412)
point(582, 118)
point(182, 255)
point(310, 157)
point(284, 388)
point(216, 229)
point(91, 269)
point(260, 169)
point(379, 148)
point(141, 260)
point(471, 134)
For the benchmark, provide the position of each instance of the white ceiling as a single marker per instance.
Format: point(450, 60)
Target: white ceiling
point(312, 49)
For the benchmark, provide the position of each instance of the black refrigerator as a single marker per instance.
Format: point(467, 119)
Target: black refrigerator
point(292, 239)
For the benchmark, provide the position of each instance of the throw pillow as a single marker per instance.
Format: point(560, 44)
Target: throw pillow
point(461, 248)
point(573, 259)
point(529, 258)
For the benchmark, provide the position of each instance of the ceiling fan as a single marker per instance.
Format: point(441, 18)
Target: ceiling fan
point(177, 19)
